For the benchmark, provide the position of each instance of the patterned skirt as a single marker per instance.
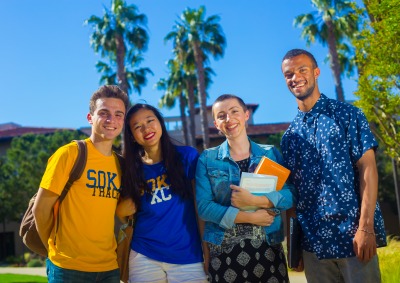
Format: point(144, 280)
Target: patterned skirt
point(247, 261)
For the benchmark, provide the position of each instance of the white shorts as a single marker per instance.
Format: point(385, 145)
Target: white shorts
point(144, 269)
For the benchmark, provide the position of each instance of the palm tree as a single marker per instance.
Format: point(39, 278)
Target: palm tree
point(120, 35)
point(174, 87)
point(333, 22)
point(135, 79)
point(184, 64)
point(181, 85)
point(204, 36)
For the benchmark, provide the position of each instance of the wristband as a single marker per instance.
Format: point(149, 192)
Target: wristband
point(366, 231)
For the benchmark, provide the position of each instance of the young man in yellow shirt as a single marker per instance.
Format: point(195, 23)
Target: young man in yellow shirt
point(82, 249)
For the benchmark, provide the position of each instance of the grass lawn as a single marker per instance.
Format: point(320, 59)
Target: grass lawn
point(20, 278)
point(389, 261)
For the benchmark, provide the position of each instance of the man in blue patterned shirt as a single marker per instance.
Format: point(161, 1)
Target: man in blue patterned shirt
point(330, 151)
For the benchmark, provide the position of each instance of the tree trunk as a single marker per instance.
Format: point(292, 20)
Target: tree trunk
point(396, 186)
point(183, 118)
point(335, 64)
point(192, 114)
point(121, 73)
point(202, 94)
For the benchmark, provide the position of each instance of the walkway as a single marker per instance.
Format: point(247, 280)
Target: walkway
point(294, 277)
point(24, 270)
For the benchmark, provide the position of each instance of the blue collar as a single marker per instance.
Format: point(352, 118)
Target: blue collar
point(316, 110)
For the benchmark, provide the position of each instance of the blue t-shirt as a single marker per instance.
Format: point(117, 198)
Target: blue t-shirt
point(166, 226)
point(321, 148)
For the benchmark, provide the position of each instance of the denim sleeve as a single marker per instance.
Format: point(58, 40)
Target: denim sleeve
point(208, 209)
point(282, 199)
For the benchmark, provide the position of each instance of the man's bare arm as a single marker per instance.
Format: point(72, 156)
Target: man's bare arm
point(364, 240)
point(43, 213)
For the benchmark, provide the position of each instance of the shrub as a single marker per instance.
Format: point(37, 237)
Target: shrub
point(35, 263)
point(14, 260)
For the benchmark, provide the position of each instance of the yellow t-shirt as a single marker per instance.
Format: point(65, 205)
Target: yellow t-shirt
point(85, 239)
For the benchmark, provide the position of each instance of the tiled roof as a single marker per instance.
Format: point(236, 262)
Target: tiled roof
point(259, 129)
point(11, 130)
point(7, 126)
point(86, 130)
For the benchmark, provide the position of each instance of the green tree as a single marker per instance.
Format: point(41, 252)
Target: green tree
point(204, 37)
point(181, 85)
point(385, 181)
point(334, 23)
point(174, 87)
point(121, 36)
point(185, 71)
point(22, 168)
point(271, 139)
point(378, 59)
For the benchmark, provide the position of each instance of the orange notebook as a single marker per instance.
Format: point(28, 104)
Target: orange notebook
point(269, 167)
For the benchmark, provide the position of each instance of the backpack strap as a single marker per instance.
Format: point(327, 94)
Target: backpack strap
point(77, 169)
point(76, 172)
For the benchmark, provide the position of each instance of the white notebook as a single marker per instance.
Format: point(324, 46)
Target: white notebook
point(257, 184)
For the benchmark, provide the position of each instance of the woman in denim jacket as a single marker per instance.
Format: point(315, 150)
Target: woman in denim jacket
point(244, 246)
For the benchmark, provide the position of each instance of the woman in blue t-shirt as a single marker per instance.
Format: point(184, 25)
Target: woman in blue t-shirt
point(158, 185)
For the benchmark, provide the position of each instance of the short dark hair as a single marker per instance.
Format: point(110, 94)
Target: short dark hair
point(296, 52)
point(228, 96)
point(109, 91)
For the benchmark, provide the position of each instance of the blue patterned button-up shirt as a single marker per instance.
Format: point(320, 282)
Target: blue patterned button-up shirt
point(321, 148)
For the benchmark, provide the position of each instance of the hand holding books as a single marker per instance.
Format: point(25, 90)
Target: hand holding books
point(267, 177)
point(254, 185)
point(243, 198)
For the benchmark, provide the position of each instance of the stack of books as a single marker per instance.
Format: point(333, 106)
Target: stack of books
point(267, 177)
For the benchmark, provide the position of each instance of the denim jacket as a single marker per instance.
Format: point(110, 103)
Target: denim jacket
point(216, 170)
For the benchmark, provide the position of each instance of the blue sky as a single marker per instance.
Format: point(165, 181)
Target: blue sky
point(47, 66)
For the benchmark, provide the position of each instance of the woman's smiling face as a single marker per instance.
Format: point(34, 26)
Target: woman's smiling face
point(146, 128)
point(230, 118)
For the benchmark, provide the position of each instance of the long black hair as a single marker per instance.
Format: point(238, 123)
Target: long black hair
point(133, 180)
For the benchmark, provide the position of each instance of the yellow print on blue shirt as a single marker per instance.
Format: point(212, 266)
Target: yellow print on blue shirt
point(160, 189)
